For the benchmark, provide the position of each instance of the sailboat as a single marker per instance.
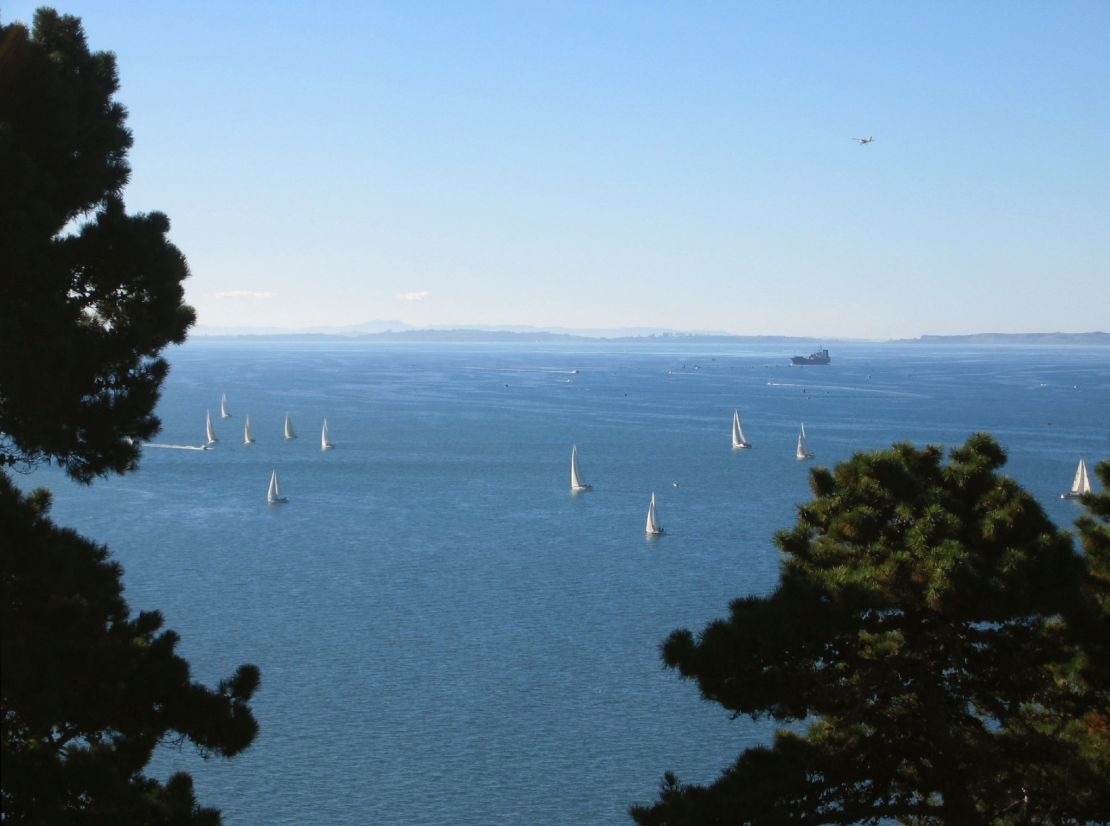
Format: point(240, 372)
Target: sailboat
point(324, 443)
point(576, 483)
point(738, 440)
point(653, 527)
point(209, 429)
point(801, 451)
point(225, 413)
point(1081, 484)
point(289, 434)
point(248, 434)
point(273, 495)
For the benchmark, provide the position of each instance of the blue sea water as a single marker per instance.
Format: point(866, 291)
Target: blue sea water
point(446, 634)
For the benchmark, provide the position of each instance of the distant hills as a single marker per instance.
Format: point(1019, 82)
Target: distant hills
point(468, 334)
point(1015, 338)
point(366, 327)
point(380, 330)
point(400, 331)
point(463, 331)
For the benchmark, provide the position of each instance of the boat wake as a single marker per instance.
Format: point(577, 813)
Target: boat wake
point(875, 391)
point(174, 447)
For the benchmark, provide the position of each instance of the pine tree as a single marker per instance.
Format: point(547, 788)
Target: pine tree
point(89, 296)
point(89, 691)
point(939, 635)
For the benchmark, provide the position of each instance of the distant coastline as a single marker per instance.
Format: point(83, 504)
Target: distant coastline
point(493, 336)
point(537, 336)
point(1096, 338)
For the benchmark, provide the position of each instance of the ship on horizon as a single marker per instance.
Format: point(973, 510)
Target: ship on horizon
point(820, 357)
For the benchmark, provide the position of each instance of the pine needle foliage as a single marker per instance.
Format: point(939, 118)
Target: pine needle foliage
point(937, 645)
point(89, 690)
point(89, 297)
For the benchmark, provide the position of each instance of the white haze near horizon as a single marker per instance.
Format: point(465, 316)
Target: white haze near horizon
point(626, 164)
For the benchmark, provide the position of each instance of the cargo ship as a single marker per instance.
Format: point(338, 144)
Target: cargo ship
point(820, 357)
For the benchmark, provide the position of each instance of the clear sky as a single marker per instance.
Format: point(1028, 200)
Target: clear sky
point(601, 164)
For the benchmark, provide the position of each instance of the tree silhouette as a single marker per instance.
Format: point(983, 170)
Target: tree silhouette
point(88, 691)
point(941, 634)
point(90, 296)
point(87, 304)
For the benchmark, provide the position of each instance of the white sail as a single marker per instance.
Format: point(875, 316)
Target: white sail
point(1085, 481)
point(652, 527)
point(225, 413)
point(1081, 484)
point(576, 483)
point(738, 440)
point(248, 434)
point(289, 434)
point(324, 443)
point(800, 451)
point(273, 494)
point(209, 429)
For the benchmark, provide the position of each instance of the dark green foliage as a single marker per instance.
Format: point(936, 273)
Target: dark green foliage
point(88, 691)
point(89, 295)
point(1092, 620)
point(941, 634)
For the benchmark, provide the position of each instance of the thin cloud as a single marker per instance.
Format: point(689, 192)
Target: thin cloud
point(243, 294)
point(419, 295)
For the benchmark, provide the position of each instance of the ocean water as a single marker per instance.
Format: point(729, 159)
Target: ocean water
point(446, 634)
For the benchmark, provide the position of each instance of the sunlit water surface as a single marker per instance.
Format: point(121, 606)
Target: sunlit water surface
point(446, 634)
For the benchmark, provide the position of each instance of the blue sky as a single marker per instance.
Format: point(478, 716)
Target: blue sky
point(603, 164)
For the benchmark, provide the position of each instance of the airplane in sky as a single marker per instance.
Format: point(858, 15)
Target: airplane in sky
point(862, 141)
